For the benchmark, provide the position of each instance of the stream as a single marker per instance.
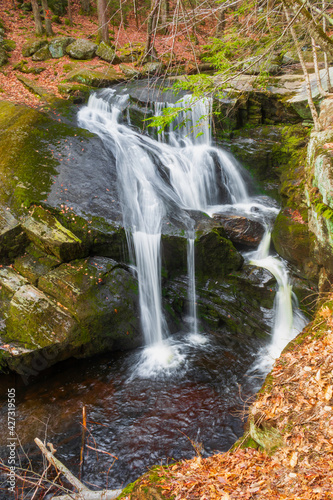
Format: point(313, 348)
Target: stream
point(182, 392)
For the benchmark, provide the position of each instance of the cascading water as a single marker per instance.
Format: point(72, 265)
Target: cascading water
point(181, 171)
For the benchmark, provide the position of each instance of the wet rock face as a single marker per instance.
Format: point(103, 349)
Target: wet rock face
point(241, 230)
point(233, 308)
point(295, 243)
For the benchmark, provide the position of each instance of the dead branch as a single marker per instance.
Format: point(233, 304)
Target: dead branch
point(84, 493)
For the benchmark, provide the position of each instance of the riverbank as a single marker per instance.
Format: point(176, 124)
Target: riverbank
point(287, 449)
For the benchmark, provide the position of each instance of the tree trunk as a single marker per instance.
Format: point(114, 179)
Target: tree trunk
point(103, 27)
point(219, 32)
point(135, 10)
point(327, 68)
point(37, 18)
point(150, 52)
point(316, 68)
point(47, 18)
point(305, 71)
point(69, 11)
point(85, 6)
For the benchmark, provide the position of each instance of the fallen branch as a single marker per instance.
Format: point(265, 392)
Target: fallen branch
point(83, 493)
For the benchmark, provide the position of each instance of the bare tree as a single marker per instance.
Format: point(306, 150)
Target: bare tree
point(103, 22)
point(47, 18)
point(85, 6)
point(38, 20)
point(305, 71)
point(150, 52)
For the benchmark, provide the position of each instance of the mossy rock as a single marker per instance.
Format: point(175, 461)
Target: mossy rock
point(131, 52)
point(58, 45)
point(22, 66)
point(77, 91)
point(81, 49)
point(9, 45)
point(36, 89)
point(294, 242)
point(42, 54)
point(152, 68)
point(95, 78)
point(31, 46)
point(101, 295)
point(129, 72)
point(12, 238)
point(107, 53)
point(268, 438)
point(36, 321)
point(28, 165)
point(215, 255)
point(35, 263)
point(47, 233)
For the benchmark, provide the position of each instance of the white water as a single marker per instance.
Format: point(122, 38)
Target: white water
point(157, 179)
point(288, 319)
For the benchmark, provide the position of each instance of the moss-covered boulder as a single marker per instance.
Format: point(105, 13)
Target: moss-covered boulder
point(78, 92)
point(215, 255)
point(101, 295)
point(95, 78)
point(131, 52)
point(58, 45)
point(12, 237)
point(81, 49)
point(42, 54)
point(107, 53)
point(34, 263)
point(129, 72)
point(10, 283)
point(294, 242)
point(152, 68)
point(31, 46)
point(24, 68)
point(47, 233)
point(36, 321)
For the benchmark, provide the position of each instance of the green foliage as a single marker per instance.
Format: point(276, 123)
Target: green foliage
point(167, 117)
point(323, 210)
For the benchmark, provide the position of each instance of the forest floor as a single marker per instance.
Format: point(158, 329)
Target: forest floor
point(20, 27)
point(292, 419)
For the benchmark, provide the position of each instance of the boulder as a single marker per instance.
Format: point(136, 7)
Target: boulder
point(215, 255)
point(107, 53)
point(42, 54)
point(12, 238)
point(326, 113)
point(241, 230)
point(95, 78)
point(131, 52)
point(47, 233)
point(152, 68)
point(81, 49)
point(128, 71)
point(31, 46)
point(294, 242)
point(101, 295)
point(34, 263)
point(58, 45)
point(78, 91)
point(10, 281)
point(34, 320)
point(254, 67)
point(24, 68)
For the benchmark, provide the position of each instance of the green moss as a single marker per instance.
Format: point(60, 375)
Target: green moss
point(27, 164)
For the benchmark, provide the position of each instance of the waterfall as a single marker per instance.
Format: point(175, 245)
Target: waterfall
point(288, 320)
point(166, 177)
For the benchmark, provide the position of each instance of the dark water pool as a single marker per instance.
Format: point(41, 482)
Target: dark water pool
point(141, 418)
